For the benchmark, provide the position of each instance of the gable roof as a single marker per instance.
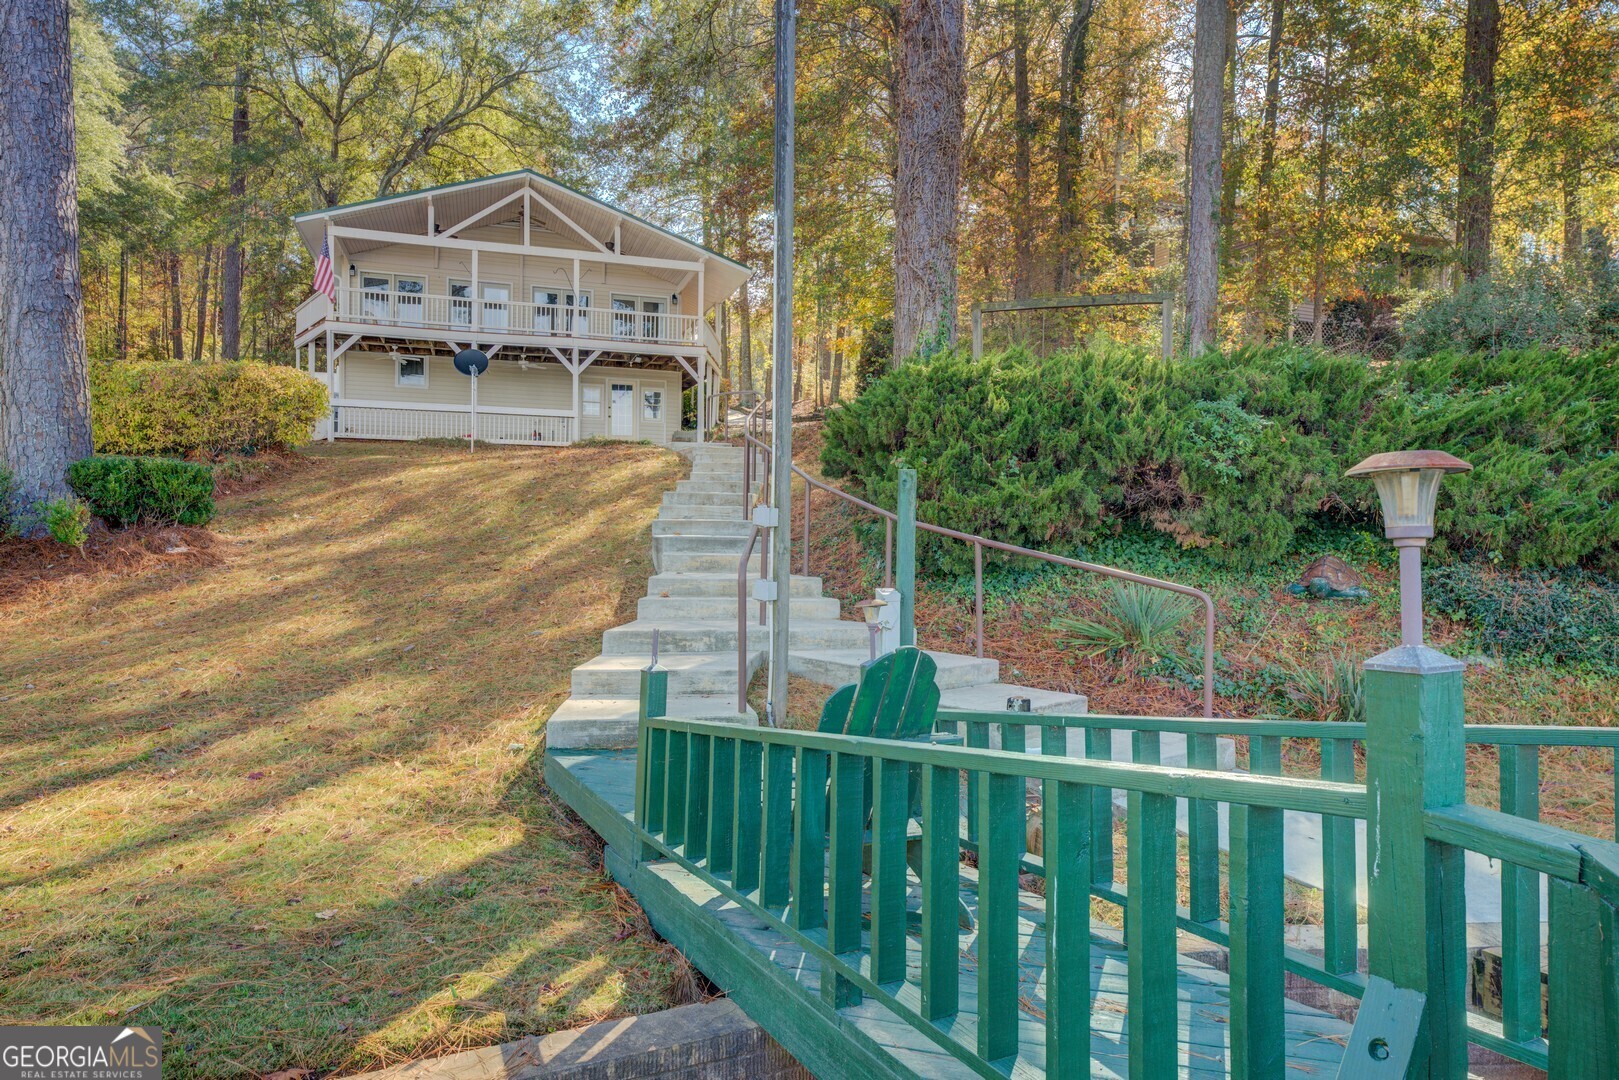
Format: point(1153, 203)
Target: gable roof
point(407, 212)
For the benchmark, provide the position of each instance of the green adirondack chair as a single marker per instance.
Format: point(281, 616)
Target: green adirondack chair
point(897, 697)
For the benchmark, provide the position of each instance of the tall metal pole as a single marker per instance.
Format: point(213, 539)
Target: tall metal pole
point(781, 406)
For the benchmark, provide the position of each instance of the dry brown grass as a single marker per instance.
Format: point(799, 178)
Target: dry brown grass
point(285, 802)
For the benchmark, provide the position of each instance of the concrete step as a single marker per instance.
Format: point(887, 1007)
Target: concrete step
point(839, 667)
point(680, 562)
point(709, 487)
point(697, 635)
point(991, 697)
point(689, 673)
point(702, 527)
point(664, 608)
point(730, 510)
point(717, 584)
point(611, 722)
point(724, 470)
point(669, 543)
point(704, 498)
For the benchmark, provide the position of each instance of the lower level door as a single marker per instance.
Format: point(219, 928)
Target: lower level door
point(621, 410)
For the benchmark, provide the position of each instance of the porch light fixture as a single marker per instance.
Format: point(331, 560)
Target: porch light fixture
point(352, 270)
point(1408, 486)
point(871, 612)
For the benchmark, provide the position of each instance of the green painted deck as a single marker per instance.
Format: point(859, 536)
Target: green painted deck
point(774, 980)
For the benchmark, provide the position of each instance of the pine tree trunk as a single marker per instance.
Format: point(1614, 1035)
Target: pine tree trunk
point(837, 366)
point(44, 397)
point(1323, 161)
point(1234, 152)
point(204, 272)
point(1203, 188)
point(744, 350)
point(177, 328)
point(230, 278)
point(1475, 184)
point(931, 70)
point(1264, 307)
point(123, 303)
point(1070, 136)
point(1022, 129)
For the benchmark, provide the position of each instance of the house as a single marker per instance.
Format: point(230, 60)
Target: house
point(594, 320)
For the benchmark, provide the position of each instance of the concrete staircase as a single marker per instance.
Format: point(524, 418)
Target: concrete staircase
point(697, 542)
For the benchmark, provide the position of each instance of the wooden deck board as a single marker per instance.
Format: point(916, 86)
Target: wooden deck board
point(599, 785)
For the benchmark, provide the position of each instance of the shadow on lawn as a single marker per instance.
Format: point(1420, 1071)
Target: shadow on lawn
point(281, 807)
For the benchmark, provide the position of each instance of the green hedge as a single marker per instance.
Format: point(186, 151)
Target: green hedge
point(124, 490)
point(1236, 452)
point(183, 409)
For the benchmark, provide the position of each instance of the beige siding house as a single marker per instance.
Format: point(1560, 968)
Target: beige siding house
point(594, 320)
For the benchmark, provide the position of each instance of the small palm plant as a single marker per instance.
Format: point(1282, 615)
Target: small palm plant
point(1135, 618)
point(1332, 692)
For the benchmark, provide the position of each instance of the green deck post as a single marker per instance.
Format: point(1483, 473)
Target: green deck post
point(1415, 762)
point(1149, 935)
point(652, 744)
point(776, 871)
point(1099, 747)
point(674, 789)
point(1203, 837)
point(745, 820)
point(809, 841)
point(1582, 980)
point(941, 892)
point(1258, 1015)
point(1520, 903)
point(697, 797)
point(846, 826)
point(1001, 816)
point(1066, 809)
point(905, 556)
point(1340, 917)
point(890, 812)
point(721, 804)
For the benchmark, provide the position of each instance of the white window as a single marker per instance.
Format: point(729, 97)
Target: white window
point(554, 311)
point(651, 404)
point(410, 371)
point(590, 399)
point(460, 303)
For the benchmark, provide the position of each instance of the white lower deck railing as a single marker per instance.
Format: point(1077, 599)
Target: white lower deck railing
point(495, 424)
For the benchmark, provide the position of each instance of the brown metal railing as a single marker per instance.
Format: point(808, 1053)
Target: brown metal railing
point(754, 446)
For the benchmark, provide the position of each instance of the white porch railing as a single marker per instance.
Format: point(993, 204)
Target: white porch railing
point(310, 312)
point(384, 420)
point(385, 308)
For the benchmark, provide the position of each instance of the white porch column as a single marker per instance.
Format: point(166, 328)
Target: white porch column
point(578, 416)
point(331, 388)
point(477, 294)
point(578, 311)
point(702, 395)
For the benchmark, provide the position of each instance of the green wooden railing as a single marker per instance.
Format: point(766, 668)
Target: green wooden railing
point(1519, 1032)
point(779, 821)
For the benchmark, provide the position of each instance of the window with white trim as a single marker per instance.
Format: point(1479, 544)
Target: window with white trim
point(590, 399)
point(651, 404)
point(410, 371)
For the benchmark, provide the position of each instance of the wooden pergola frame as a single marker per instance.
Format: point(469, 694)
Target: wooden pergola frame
point(1042, 303)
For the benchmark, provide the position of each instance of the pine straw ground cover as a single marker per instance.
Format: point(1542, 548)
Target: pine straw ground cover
point(286, 802)
point(1266, 638)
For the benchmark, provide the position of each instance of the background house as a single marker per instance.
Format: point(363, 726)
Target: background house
point(595, 321)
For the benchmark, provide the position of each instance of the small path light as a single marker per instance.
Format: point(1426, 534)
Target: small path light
point(1408, 485)
point(871, 611)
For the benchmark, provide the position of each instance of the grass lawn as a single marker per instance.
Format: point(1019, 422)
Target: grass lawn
point(286, 802)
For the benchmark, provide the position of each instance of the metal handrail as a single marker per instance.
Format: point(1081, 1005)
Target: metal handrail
point(979, 543)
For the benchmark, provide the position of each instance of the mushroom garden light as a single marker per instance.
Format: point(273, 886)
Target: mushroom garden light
point(1408, 485)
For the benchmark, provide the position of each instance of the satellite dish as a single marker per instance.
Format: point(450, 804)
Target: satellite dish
point(471, 362)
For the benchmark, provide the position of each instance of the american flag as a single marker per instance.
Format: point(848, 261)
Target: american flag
point(323, 273)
